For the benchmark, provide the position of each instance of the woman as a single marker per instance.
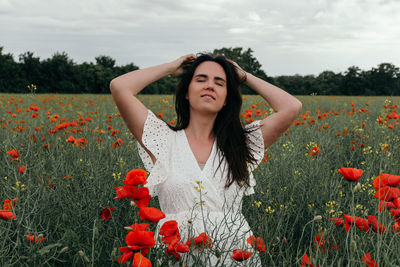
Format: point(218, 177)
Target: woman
point(201, 168)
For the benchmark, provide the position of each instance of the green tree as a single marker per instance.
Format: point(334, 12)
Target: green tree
point(10, 80)
point(247, 61)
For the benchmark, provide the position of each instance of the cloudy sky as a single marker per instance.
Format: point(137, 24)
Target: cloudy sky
point(287, 37)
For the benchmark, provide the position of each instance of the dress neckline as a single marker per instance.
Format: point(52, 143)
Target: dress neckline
point(194, 157)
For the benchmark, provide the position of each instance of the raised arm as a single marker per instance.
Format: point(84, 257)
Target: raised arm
point(124, 89)
point(286, 106)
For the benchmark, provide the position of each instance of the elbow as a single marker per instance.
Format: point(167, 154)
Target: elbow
point(112, 85)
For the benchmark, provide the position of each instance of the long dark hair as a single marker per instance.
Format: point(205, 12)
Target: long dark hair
point(230, 134)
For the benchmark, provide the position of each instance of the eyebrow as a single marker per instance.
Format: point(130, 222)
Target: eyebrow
point(205, 76)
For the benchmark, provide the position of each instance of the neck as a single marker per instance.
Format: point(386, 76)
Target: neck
point(201, 126)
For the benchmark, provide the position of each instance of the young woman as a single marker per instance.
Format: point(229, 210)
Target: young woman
point(201, 168)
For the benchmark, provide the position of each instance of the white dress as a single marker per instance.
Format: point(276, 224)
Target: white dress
point(176, 178)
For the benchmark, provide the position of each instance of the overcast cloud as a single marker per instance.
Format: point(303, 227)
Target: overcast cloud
point(288, 37)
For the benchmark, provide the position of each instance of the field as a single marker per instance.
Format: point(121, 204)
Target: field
point(55, 187)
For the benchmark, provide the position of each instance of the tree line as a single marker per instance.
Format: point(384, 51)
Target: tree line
point(60, 74)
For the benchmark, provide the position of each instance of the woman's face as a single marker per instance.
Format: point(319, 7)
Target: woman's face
point(208, 89)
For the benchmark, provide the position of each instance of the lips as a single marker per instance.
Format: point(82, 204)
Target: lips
point(209, 96)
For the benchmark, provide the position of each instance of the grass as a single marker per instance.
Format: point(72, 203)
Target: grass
point(64, 187)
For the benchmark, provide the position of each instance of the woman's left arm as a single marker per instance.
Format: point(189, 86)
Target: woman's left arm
point(286, 108)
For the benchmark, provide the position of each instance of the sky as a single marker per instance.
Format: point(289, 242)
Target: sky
point(287, 37)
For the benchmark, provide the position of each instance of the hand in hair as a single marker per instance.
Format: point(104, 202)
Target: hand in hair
point(240, 72)
point(179, 65)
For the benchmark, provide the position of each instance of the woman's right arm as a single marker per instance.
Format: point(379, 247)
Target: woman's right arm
point(124, 89)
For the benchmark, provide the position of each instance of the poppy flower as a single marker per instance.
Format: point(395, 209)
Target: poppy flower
point(7, 215)
point(106, 213)
point(376, 226)
point(70, 139)
point(387, 193)
point(151, 214)
point(140, 239)
point(36, 239)
point(22, 170)
point(125, 191)
point(203, 240)
point(144, 202)
point(319, 242)
point(337, 221)
point(256, 243)
point(125, 256)
point(139, 227)
point(169, 231)
point(140, 193)
point(140, 261)
point(396, 227)
point(241, 255)
point(367, 259)
point(306, 260)
point(136, 177)
point(359, 222)
point(175, 247)
point(384, 205)
point(13, 153)
point(351, 174)
point(118, 143)
point(395, 213)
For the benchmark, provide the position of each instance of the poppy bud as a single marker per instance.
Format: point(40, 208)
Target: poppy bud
point(353, 246)
point(81, 253)
point(190, 221)
point(133, 204)
point(317, 218)
point(64, 249)
point(357, 188)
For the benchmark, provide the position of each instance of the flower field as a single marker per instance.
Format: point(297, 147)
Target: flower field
point(72, 192)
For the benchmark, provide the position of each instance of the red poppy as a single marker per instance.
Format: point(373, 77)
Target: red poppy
point(203, 240)
point(395, 213)
point(22, 170)
point(139, 226)
point(351, 174)
point(140, 239)
point(367, 259)
point(140, 193)
point(151, 214)
point(387, 193)
point(241, 255)
point(36, 239)
point(306, 260)
point(337, 221)
point(140, 261)
point(396, 227)
point(125, 256)
point(359, 222)
point(169, 231)
point(384, 205)
point(125, 191)
point(319, 242)
point(386, 180)
point(175, 247)
point(70, 139)
point(144, 202)
point(106, 213)
point(376, 226)
point(257, 243)
point(13, 153)
point(136, 177)
point(7, 215)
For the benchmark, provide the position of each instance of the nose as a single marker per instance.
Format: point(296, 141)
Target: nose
point(209, 85)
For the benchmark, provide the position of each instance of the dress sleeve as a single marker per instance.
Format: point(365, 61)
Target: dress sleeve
point(255, 143)
point(156, 138)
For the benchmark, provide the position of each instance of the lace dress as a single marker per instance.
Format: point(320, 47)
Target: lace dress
point(195, 197)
